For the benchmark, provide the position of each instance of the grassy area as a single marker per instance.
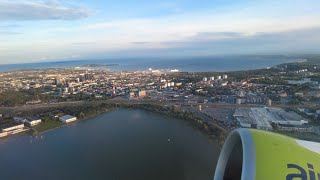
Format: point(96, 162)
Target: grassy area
point(47, 125)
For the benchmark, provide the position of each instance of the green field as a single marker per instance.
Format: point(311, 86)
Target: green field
point(47, 125)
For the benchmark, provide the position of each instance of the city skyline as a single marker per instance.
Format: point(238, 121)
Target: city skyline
point(35, 31)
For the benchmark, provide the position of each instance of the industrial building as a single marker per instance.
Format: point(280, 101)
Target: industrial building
point(282, 117)
point(252, 118)
point(33, 121)
point(262, 118)
point(18, 119)
point(67, 119)
point(13, 128)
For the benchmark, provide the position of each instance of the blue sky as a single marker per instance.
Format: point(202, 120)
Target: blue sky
point(38, 30)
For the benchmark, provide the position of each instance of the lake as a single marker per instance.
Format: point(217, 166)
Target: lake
point(123, 144)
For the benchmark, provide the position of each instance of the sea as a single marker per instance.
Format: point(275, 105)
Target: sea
point(188, 64)
point(119, 145)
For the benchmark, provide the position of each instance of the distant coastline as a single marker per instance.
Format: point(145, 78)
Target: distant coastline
point(190, 64)
point(99, 65)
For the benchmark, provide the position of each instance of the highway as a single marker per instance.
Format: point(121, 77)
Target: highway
point(137, 101)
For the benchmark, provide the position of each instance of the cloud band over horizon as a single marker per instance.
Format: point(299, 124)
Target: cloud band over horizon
point(37, 30)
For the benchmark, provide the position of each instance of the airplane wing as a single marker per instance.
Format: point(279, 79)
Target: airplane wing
point(250, 154)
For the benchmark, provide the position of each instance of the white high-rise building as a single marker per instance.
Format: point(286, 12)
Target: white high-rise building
point(242, 93)
point(205, 79)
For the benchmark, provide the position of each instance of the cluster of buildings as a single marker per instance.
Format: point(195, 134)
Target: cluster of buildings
point(18, 124)
point(79, 84)
point(217, 78)
point(97, 83)
point(267, 118)
point(182, 88)
point(30, 121)
point(12, 129)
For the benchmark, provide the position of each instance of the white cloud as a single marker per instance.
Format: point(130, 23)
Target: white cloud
point(39, 10)
point(291, 42)
point(177, 27)
point(235, 31)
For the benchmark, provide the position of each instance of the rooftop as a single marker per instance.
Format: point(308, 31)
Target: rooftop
point(66, 117)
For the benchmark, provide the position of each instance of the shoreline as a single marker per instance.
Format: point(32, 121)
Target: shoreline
point(13, 69)
point(67, 124)
point(212, 131)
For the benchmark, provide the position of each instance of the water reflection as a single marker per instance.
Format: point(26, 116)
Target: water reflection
point(124, 144)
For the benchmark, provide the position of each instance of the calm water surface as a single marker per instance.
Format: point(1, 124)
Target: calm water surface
point(123, 144)
point(196, 64)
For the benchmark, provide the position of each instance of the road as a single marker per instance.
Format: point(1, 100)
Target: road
point(137, 101)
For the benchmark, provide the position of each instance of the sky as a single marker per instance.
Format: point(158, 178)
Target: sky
point(57, 30)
